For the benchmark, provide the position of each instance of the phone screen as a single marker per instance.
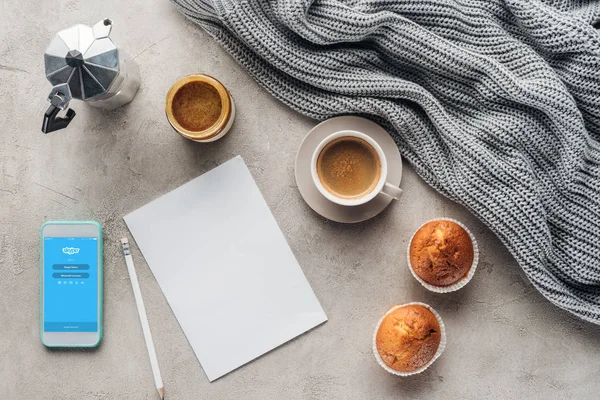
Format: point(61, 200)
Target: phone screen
point(70, 284)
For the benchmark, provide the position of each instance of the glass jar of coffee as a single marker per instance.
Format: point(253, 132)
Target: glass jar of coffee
point(200, 108)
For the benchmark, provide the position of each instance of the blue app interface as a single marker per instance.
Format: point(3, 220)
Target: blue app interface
point(70, 284)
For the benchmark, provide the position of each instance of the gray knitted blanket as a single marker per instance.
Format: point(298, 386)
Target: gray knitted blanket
point(495, 103)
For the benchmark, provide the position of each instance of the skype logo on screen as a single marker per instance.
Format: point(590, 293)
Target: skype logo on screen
point(70, 250)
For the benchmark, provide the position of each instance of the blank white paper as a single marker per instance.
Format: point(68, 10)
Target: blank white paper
point(225, 268)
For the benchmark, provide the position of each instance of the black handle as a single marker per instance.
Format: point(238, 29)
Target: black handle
point(52, 122)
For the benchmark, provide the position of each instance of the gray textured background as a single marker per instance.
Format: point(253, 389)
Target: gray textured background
point(504, 339)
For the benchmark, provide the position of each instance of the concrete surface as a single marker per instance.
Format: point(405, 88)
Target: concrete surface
point(504, 340)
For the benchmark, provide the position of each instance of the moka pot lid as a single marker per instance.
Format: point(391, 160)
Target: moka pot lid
point(84, 58)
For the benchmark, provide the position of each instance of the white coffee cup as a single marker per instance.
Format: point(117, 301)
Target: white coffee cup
point(382, 185)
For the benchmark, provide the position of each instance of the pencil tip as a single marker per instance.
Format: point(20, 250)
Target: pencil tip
point(161, 392)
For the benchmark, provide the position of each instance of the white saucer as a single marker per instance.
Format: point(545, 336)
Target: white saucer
point(311, 194)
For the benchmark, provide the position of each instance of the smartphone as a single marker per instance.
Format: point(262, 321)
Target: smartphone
point(71, 284)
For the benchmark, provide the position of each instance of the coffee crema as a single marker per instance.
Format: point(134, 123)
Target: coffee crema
point(197, 106)
point(349, 167)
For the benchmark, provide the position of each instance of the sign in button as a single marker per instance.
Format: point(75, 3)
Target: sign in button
point(71, 267)
point(70, 275)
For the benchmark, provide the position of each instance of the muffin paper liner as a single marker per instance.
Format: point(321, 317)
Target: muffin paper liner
point(460, 283)
point(435, 356)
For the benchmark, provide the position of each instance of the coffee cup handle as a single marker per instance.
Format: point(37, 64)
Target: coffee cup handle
point(391, 190)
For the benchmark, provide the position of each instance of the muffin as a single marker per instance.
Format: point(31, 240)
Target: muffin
point(441, 253)
point(408, 338)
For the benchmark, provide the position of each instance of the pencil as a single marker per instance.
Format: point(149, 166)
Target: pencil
point(143, 318)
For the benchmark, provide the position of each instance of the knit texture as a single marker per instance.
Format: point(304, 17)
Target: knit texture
point(495, 103)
